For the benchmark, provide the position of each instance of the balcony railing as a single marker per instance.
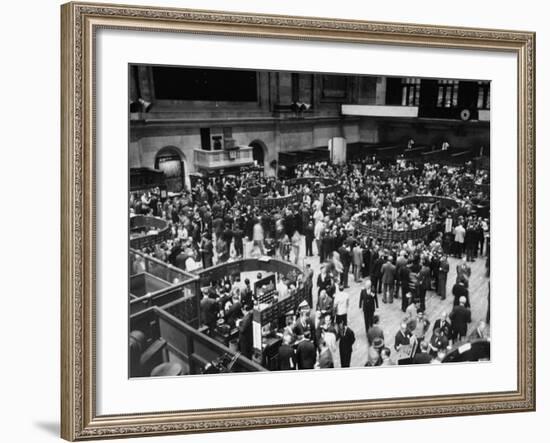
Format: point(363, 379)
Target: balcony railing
point(242, 156)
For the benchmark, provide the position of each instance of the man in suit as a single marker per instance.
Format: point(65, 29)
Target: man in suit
point(308, 283)
point(306, 354)
point(388, 280)
point(345, 258)
point(404, 279)
point(424, 284)
point(286, 357)
point(376, 274)
point(207, 251)
point(346, 341)
point(310, 235)
point(245, 332)
point(238, 240)
point(463, 271)
point(325, 303)
point(368, 302)
point(209, 311)
point(460, 317)
point(357, 259)
point(460, 290)
point(442, 272)
point(400, 263)
point(402, 337)
point(443, 324)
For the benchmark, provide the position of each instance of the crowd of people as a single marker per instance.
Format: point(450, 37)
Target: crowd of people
point(215, 223)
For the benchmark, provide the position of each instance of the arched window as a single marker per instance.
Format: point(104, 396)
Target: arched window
point(169, 160)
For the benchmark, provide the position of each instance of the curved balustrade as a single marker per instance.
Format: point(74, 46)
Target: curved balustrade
point(446, 202)
point(140, 231)
point(393, 235)
point(274, 265)
point(409, 234)
point(256, 198)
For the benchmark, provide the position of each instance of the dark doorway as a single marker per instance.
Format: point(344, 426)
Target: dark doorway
point(258, 152)
point(169, 161)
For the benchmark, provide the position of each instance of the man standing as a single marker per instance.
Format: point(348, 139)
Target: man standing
point(368, 302)
point(357, 257)
point(308, 283)
point(424, 283)
point(442, 273)
point(345, 258)
point(245, 332)
point(341, 305)
point(459, 233)
point(463, 271)
point(346, 341)
point(405, 280)
point(460, 317)
point(207, 251)
point(286, 357)
point(306, 354)
point(310, 235)
point(388, 279)
point(400, 263)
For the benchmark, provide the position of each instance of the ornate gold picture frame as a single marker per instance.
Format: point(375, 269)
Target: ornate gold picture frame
point(80, 21)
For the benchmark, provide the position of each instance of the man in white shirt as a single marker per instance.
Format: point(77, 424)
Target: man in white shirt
point(459, 233)
point(341, 305)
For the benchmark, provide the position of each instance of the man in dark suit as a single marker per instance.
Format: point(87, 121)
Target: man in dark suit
point(424, 284)
point(309, 234)
point(444, 325)
point(460, 317)
point(247, 295)
point(346, 340)
point(306, 354)
point(345, 258)
point(404, 279)
point(368, 302)
point(245, 332)
point(207, 251)
point(460, 290)
point(376, 274)
point(209, 311)
point(286, 357)
point(388, 280)
point(238, 240)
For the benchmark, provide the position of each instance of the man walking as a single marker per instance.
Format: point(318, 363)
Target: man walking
point(388, 279)
point(368, 302)
point(346, 341)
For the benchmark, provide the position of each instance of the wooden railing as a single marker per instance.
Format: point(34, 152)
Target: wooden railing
point(183, 287)
point(184, 344)
point(147, 223)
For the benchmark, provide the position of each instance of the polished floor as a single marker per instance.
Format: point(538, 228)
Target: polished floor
point(391, 314)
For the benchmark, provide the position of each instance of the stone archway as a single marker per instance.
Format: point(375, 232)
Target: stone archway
point(173, 163)
point(259, 152)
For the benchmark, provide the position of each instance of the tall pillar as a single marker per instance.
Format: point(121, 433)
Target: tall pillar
point(381, 91)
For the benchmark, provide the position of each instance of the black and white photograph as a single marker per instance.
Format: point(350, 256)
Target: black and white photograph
point(287, 221)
